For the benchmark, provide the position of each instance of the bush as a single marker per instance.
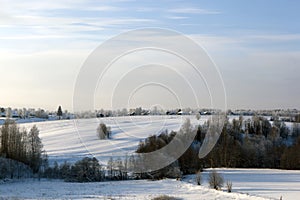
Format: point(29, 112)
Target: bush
point(165, 197)
point(198, 178)
point(85, 170)
point(229, 186)
point(215, 180)
point(103, 131)
point(10, 169)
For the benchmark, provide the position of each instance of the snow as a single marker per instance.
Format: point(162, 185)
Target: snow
point(72, 140)
point(270, 183)
point(137, 189)
point(248, 184)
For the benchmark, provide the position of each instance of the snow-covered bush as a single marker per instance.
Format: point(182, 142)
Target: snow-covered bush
point(103, 131)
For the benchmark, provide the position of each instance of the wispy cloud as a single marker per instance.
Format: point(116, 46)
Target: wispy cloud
point(102, 8)
point(276, 37)
point(194, 11)
point(177, 17)
point(31, 26)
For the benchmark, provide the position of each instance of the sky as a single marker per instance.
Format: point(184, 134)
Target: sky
point(254, 44)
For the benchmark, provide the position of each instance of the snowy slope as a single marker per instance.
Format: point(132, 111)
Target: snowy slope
point(73, 139)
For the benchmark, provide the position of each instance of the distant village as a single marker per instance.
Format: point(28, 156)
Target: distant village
point(31, 114)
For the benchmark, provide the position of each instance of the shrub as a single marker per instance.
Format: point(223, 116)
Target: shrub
point(85, 170)
point(198, 178)
point(103, 131)
point(165, 197)
point(229, 186)
point(10, 169)
point(215, 180)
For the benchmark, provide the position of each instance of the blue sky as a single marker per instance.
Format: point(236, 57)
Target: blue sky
point(256, 45)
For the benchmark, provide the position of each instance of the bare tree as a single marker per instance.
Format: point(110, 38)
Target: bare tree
point(215, 180)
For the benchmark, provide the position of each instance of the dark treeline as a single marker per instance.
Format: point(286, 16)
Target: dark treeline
point(89, 170)
point(251, 143)
point(19, 147)
point(85, 170)
point(255, 143)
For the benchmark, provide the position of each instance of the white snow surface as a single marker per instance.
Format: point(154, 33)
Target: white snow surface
point(248, 184)
point(268, 183)
point(131, 190)
point(71, 140)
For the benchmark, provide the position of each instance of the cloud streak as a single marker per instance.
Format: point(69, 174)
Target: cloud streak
point(194, 11)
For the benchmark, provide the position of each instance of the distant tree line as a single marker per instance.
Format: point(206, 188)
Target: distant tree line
point(21, 146)
point(27, 113)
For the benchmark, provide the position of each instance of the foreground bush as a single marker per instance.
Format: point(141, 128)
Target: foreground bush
point(165, 197)
point(215, 180)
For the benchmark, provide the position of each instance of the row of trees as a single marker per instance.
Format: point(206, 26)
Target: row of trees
point(89, 170)
point(85, 170)
point(252, 143)
point(22, 146)
point(29, 113)
point(255, 143)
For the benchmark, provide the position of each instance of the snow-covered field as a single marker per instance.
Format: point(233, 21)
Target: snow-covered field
point(72, 140)
point(269, 183)
point(252, 184)
point(141, 189)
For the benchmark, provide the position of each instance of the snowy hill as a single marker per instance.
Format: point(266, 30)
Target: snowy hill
point(72, 140)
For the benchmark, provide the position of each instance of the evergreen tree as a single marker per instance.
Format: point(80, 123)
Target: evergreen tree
point(59, 112)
